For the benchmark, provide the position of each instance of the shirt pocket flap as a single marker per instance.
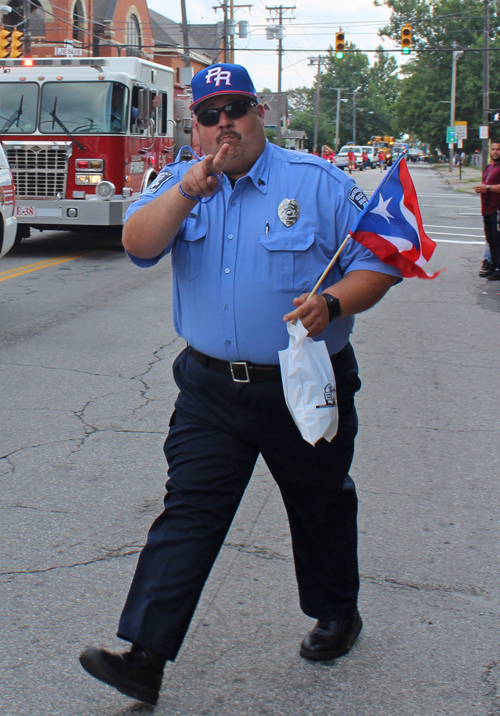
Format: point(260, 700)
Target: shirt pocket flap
point(195, 228)
point(287, 240)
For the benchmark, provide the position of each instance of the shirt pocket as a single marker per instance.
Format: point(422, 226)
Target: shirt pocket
point(189, 247)
point(288, 261)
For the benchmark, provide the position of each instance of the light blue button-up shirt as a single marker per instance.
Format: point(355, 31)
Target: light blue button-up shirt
point(237, 266)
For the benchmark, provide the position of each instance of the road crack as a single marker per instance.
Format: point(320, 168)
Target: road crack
point(110, 554)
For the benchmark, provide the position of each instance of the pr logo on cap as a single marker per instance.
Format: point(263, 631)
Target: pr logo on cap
point(222, 78)
point(218, 75)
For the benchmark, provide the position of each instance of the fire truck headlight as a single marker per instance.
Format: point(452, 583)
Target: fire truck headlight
point(105, 190)
point(88, 178)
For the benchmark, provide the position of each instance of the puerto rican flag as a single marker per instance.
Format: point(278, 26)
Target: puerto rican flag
point(390, 225)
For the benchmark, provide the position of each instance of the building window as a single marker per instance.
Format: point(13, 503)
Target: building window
point(134, 33)
point(78, 21)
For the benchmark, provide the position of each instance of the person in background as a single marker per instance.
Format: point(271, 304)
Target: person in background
point(364, 157)
point(351, 160)
point(327, 153)
point(490, 206)
point(381, 160)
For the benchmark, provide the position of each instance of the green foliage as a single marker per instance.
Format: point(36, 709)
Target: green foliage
point(423, 108)
point(271, 135)
point(377, 86)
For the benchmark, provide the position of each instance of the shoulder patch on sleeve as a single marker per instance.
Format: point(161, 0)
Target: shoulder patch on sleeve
point(357, 197)
point(158, 182)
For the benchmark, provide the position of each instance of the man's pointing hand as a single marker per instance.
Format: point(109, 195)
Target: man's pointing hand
point(197, 179)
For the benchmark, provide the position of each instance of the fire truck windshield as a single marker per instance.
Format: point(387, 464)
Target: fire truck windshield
point(18, 104)
point(84, 107)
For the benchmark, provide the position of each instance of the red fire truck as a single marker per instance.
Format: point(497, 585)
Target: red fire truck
point(84, 136)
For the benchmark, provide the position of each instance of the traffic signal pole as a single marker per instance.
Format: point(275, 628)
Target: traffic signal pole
point(486, 82)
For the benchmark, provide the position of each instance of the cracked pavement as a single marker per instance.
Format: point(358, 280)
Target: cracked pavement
point(86, 395)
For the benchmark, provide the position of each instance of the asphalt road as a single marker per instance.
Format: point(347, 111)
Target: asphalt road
point(85, 397)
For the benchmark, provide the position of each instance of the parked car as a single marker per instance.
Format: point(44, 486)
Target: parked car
point(8, 221)
point(372, 156)
point(341, 158)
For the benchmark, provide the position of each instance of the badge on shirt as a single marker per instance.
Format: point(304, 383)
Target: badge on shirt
point(288, 211)
point(158, 182)
point(358, 198)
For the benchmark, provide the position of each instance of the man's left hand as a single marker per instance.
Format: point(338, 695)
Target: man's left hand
point(481, 189)
point(313, 313)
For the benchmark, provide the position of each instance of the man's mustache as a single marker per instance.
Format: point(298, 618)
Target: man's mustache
point(221, 136)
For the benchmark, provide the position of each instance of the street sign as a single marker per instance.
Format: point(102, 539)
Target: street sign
point(484, 132)
point(461, 130)
point(68, 50)
point(460, 143)
point(450, 135)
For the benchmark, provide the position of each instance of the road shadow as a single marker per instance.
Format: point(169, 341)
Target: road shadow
point(49, 244)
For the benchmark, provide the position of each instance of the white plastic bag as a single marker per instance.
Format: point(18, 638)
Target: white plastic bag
point(309, 385)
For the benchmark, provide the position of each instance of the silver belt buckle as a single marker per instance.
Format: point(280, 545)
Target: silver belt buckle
point(239, 363)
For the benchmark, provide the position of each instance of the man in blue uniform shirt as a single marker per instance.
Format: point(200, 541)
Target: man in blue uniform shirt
point(245, 258)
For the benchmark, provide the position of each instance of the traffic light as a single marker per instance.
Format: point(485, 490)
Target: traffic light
point(339, 45)
point(406, 39)
point(4, 42)
point(16, 43)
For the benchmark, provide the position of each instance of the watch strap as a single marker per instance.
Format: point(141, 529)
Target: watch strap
point(334, 307)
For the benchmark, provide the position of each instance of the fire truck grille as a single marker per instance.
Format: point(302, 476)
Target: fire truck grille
point(41, 184)
point(38, 172)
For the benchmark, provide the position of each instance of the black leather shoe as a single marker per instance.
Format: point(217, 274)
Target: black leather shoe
point(495, 276)
point(486, 269)
point(331, 639)
point(136, 673)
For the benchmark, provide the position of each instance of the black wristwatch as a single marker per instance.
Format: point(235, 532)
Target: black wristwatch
point(334, 307)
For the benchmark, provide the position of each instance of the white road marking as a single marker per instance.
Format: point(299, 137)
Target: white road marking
point(450, 241)
point(454, 233)
point(462, 228)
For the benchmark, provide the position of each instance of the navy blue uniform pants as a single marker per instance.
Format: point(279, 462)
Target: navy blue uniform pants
point(216, 434)
point(493, 237)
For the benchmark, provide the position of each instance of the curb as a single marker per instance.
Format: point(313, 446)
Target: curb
point(452, 186)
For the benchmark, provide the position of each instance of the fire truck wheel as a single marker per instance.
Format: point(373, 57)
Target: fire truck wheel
point(23, 232)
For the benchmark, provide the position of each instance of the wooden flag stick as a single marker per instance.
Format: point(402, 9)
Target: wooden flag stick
point(321, 278)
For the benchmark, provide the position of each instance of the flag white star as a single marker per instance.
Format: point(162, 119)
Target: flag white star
point(381, 209)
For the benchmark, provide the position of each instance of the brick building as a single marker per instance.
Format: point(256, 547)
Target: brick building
point(104, 28)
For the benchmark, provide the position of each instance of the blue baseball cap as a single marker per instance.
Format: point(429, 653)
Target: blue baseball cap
point(221, 79)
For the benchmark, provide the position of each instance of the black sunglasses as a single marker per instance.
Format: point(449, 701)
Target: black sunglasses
point(234, 110)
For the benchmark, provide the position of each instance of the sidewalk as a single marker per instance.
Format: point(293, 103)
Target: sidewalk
point(470, 177)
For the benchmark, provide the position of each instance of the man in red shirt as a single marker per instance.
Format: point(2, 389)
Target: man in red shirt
point(351, 158)
point(490, 206)
point(381, 160)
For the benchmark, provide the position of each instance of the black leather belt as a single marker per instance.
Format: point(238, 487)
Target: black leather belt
point(240, 371)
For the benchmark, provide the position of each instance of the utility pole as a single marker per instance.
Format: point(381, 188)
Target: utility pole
point(486, 82)
point(355, 92)
point(277, 13)
point(337, 123)
point(185, 35)
point(229, 27)
point(455, 57)
point(318, 61)
point(26, 29)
